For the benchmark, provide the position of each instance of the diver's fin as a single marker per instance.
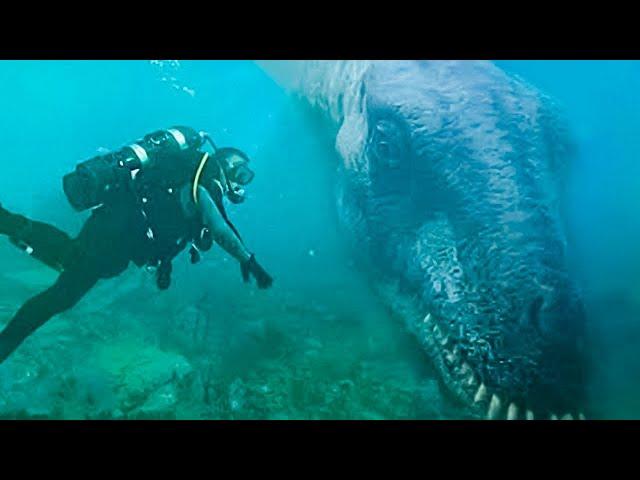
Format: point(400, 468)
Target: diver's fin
point(42, 241)
point(5, 221)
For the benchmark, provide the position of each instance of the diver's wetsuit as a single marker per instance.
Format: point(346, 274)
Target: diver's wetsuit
point(115, 235)
point(111, 238)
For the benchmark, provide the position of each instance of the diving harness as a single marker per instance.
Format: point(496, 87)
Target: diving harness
point(106, 178)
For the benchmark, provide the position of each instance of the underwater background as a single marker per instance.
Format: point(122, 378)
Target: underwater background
point(319, 345)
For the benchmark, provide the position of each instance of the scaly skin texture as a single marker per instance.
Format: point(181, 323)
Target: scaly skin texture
point(451, 187)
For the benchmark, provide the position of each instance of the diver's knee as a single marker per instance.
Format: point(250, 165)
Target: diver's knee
point(67, 292)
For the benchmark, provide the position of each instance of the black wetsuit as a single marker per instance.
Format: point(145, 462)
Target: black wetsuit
point(112, 237)
point(107, 243)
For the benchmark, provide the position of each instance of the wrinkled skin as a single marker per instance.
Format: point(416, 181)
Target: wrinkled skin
point(451, 188)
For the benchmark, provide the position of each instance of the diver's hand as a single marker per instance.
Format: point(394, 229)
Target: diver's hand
point(251, 267)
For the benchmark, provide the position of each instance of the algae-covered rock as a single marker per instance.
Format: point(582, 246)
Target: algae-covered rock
point(27, 394)
point(145, 379)
point(160, 405)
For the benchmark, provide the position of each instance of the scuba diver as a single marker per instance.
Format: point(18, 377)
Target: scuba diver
point(149, 201)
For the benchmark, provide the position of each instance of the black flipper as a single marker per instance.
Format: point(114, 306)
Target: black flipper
point(42, 241)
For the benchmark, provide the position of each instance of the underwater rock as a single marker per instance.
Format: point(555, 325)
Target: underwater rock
point(372, 415)
point(15, 405)
point(39, 413)
point(161, 405)
point(237, 395)
point(26, 394)
point(313, 344)
point(145, 379)
point(257, 329)
point(278, 416)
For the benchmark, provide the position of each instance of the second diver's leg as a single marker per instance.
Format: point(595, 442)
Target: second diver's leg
point(70, 287)
point(44, 242)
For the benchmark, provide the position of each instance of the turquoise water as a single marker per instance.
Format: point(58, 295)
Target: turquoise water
point(318, 345)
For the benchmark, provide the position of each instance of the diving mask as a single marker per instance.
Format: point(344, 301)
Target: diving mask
point(236, 171)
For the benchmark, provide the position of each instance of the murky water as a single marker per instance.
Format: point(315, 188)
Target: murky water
point(320, 344)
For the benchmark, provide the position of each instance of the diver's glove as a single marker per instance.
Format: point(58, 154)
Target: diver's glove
point(252, 267)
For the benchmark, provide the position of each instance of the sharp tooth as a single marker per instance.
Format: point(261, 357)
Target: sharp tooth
point(567, 416)
point(553, 417)
point(427, 318)
point(512, 412)
point(481, 394)
point(451, 357)
point(466, 372)
point(530, 415)
point(494, 407)
point(444, 341)
point(581, 416)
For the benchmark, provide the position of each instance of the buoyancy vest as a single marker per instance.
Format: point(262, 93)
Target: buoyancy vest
point(169, 228)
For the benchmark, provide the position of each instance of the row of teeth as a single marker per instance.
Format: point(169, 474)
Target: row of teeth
point(494, 410)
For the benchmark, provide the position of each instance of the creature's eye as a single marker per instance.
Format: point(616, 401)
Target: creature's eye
point(386, 145)
point(383, 149)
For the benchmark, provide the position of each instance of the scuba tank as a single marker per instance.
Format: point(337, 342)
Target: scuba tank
point(102, 178)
